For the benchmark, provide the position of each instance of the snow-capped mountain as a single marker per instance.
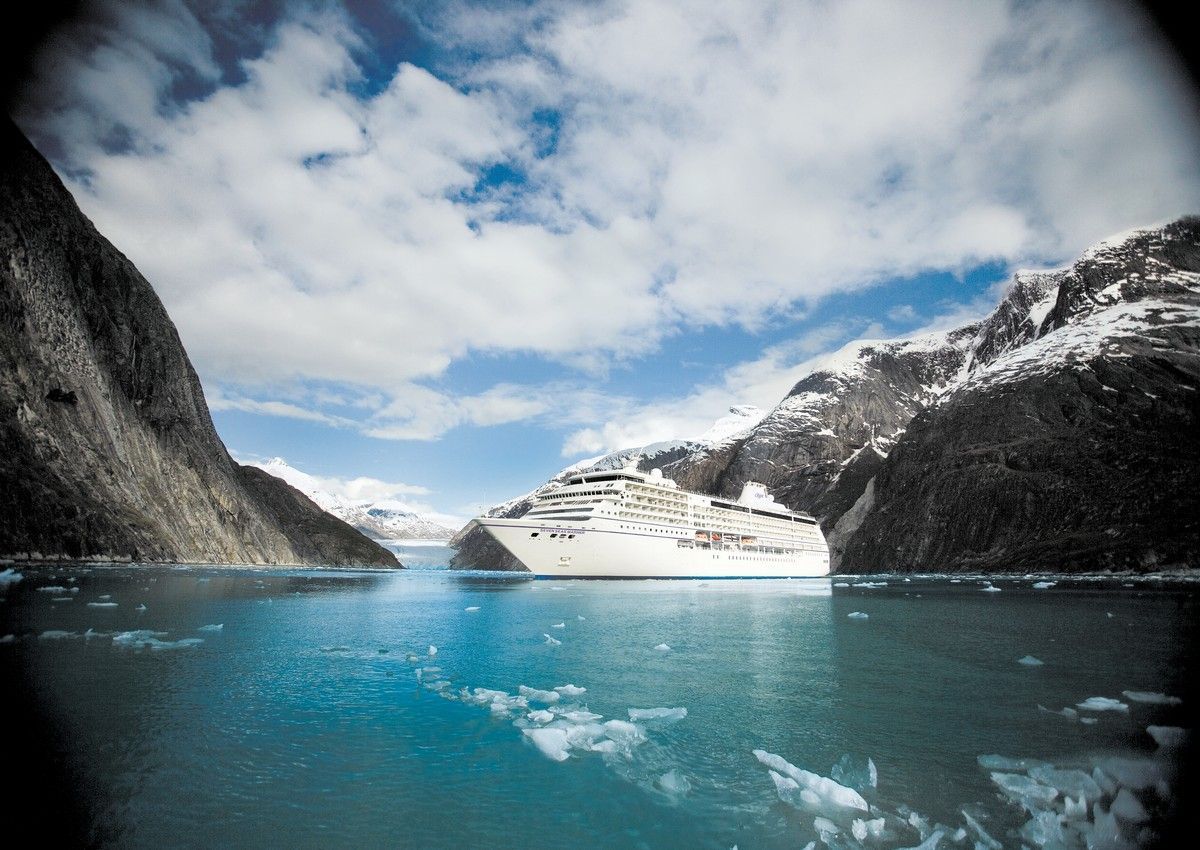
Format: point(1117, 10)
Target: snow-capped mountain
point(381, 519)
point(1055, 433)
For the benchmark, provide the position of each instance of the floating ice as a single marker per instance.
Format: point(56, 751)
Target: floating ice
point(551, 641)
point(411, 656)
point(1101, 704)
point(1044, 829)
point(63, 599)
point(871, 584)
point(990, 588)
point(1128, 808)
point(855, 773)
point(9, 576)
point(857, 615)
point(841, 584)
point(1104, 781)
point(540, 715)
point(662, 647)
point(570, 690)
point(1075, 808)
point(55, 634)
point(212, 627)
point(557, 587)
point(105, 597)
point(932, 841)
point(432, 650)
point(1134, 774)
point(559, 626)
point(1043, 585)
point(1069, 713)
point(580, 716)
point(1067, 781)
point(825, 827)
point(552, 743)
point(1022, 788)
point(1030, 661)
point(822, 789)
point(982, 836)
point(1150, 698)
point(580, 617)
point(1006, 764)
point(471, 608)
point(8, 638)
point(102, 605)
point(636, 714)
point(141, 607)
point(146, 639)
point(54, 588)
point(1168, 736)
point(539, 696)
point(674, 783)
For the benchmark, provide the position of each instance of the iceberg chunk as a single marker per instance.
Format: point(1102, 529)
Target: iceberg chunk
point(1043, 585)
point(662, 647)
point(1168, 736)
point(1150, 698)
point(1030, 661)
point(1022, 788)
point(1129, 808)
point(674, 783)
point(636, 714)
point(559, 626)
point(825, 790)
point(9, 576)
point(432, 650)
point(570, 690)
point(551, 641)
point(471, 608)
point(1068, 782)
point(857, 615)
point(550, 742)
point(982, 836)
point(102, 605)
point(1101, 704)
point(855, 773)
point(535, 695)
point(212, 627)
point(540, 715)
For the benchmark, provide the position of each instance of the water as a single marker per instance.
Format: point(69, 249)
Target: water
point(301, 722)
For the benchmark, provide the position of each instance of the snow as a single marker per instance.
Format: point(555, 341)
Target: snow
point(741, 419)
point(1102, 704)
point(1030, 661)
point(671, 714)
point(1151, 698)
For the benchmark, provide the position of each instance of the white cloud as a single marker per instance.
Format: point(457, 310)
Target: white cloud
point(715, 164)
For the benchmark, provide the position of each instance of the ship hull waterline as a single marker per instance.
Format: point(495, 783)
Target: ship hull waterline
point(604, 553)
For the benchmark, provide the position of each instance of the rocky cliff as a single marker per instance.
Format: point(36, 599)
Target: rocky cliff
point(108, 449)
point(1055, 434)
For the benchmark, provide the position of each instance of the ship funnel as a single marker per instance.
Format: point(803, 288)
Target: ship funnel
point(656, 473)
point(754, 493)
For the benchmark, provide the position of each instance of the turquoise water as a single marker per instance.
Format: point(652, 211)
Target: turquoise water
point(302, 722)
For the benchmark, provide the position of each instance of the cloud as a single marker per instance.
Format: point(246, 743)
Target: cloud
point(672, 169)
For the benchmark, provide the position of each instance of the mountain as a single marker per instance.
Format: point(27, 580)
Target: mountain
point(1055, 434)
point(108, 449)
point(378, 519)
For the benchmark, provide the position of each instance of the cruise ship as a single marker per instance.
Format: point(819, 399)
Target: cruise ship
point(629, 524)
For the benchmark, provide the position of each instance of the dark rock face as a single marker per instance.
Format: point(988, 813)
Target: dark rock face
point(108, 447)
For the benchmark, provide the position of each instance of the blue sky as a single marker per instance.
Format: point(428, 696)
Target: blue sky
point(456, 246)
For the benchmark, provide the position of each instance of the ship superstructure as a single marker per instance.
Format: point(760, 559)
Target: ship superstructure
point(629, 524)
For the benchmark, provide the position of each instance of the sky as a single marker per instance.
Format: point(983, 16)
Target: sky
point(451, 248)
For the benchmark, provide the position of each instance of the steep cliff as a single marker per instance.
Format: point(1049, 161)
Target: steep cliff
point(108, 449)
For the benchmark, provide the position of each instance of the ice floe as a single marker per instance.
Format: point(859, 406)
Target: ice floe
point(990, 588)
point(1151, 698)
point(102, 605)
point(570, 690)
point(146, 639)
point(671, 714)
point(432, 650)
point(1128, 808)
point(1069, 713)
point(559, 626)
point(1043, 585)
point(1021, 788)
point(804, 788)
point(1168, 736)
point(662, 647)
point(855, 772)
point(141, 607)
point(550, 641)
point(551, 742)
point(8, 638)
point(471, 608)
point(841, 584)
point(673, 782)
point(535, 695)
point(212, 627)
point(1101, 704)
point(1030, 661)
point(56, 634)
point(9, 576)
point(57, 588)
point(857, 615)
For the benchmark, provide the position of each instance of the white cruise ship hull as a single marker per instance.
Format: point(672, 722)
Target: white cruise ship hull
point(571, 550)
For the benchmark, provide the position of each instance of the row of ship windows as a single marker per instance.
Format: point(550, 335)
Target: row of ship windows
point(553, 534)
